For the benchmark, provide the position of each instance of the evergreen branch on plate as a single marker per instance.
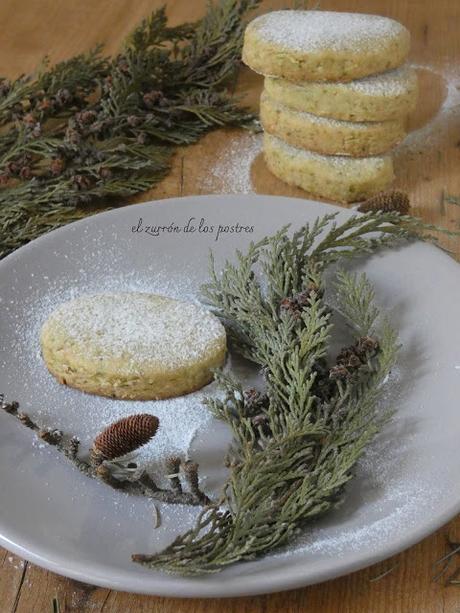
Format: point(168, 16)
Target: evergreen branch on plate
point(296, 442)
point(356, 298)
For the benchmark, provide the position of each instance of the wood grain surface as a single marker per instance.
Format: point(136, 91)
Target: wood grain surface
point(428, 167)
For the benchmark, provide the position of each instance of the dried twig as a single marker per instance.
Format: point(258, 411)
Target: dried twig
point(138, 484)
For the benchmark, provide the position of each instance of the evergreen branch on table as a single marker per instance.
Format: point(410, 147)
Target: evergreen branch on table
point(93, 129)
point(54, 91)
point(296, 442)
point(450, 199)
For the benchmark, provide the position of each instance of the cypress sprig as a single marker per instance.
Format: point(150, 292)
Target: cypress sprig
point(297, 442)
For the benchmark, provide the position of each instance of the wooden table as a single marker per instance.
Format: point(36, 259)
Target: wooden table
point(427, 168)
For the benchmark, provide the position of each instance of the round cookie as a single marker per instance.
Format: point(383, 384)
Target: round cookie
point(133, 345)
point(337, 178)
point(329, 136)
point(324, 45)
point(390, 95)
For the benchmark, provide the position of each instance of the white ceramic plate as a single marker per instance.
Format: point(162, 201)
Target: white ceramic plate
point(406, 487)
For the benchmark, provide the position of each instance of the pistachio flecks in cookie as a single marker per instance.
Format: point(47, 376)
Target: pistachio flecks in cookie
point(133, 345)
point(380, 97)
point(329, 136)
point(333, 177)
point(324, 45)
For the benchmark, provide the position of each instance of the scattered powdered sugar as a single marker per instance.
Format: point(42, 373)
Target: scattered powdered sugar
point(143, 330)
point(438, 127)
point(15, 563)
point(230, 173)
point(382, 500)
point(309, 31)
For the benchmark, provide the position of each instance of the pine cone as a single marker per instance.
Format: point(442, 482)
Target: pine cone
point(350, 359)
point(125, 435)
point(366, 344)
point(298, 302)
point(387, 201)
point(339, 372)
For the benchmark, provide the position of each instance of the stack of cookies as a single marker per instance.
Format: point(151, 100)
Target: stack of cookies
point(336, 97)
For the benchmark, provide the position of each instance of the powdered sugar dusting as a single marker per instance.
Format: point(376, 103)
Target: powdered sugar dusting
point(378, 487)
point(143, 330)
point(390, 84)
point(347, 162)
point(317, 30)
point(184, 421)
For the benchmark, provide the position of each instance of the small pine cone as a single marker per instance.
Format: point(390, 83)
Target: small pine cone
point(349, 358)
point(173, 465)
point(291, 306)
point(302, 298)
point(52, 437)
point(9, 407)
point(25, 105)
point(25, 172)
point(29, 119)
point(73, 447)
point(287, 304)
point(105, 173)
point(45, 104)
point(260, 419)
point(366, 344)
point(251, 397)
point(125, 435)
point(37, 130)
point(82, 182)
point(63, 96)
point(339, 372)
point(395, 200)
point(123, 65)
point(25, 420)
point(133, 121)
point(151, 98)
point(5, 86)
point(254, 401)
point(72, 136)
point(12, 168)
point(85, 117)
point(57, 166)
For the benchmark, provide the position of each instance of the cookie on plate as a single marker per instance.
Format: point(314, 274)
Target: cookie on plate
point(329, 136)
point(133, 345)
point(324, 45)
point(390, 95)
point(338, 178)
